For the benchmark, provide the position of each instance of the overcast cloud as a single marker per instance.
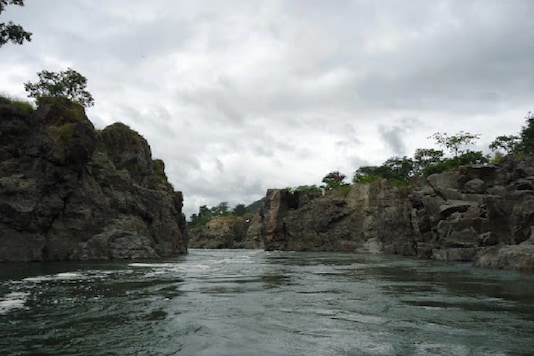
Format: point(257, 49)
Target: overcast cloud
point(240, 96)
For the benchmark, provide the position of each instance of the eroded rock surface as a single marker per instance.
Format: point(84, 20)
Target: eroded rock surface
point(228, 232)
point(69, 192)
point(483, 214)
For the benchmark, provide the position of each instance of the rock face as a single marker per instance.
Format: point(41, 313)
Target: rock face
point(483, 214)
point(367, 219)
point(68, 192)
point(227, 232)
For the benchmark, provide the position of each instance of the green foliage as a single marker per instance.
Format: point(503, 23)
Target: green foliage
point(344, 189)
point(159, 169)
point(220, 209)
point(468, 157)
point(509, 144)
point(333, 180)
point(360, 178)
point(10, 31)
point(395, 168)
point(200, 219)
point(369, 174)
point(310, 189)
point(454, 143)
point(69, 84)
point(399, 168)
point(527, 135)
point(425, 157)
point(205, 213)
point(63, 133)
point(497, 157)
point(240, 210)
point(22, 105)
point(100, 160)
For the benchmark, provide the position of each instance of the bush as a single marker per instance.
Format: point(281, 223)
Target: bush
point(363, 179)
point(447, 164)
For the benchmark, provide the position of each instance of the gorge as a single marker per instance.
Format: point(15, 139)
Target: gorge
point(71, 192)
point(479, 213)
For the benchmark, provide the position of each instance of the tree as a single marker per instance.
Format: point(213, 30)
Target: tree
point(527, 135)
point(240, 210)
point(203, 217)
point(395, 168)
point(455, 142)
point(220, 210)
point(333, 180)
point(10, 31)
point(509, 144)
point(425, 157)
point(400, 168)
point(204, 211)
point(466, 158)
point(69, 84)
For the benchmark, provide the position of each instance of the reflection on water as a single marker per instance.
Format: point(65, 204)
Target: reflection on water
point(228, 302)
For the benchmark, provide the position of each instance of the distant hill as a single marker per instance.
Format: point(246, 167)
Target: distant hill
point(254, 207)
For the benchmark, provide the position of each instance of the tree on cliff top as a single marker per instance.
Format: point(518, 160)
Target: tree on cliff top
point(527, 135)
point(69, 84)
point(10, 31)
point(333, 180)
point(455, 142)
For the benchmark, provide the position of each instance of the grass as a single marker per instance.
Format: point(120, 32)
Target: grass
point(23, 105)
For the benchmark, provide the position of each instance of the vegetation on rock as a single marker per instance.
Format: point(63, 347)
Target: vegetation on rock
point(206, 214)
point(334, 180)
point(69, 84)
point(427, 161)
point(22, 105)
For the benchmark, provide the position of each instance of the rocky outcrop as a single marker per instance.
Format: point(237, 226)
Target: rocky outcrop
point(69, 192)
point(479, 213)
point(229, 232)
point(483, 214)
point(367, 218)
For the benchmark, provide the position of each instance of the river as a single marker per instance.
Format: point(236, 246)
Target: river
point(251, 302)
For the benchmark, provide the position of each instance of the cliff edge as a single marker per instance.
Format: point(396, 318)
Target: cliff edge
point(483, 214)
point(70, 192)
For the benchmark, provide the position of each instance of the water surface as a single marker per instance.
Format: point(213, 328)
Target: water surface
point(230, 302)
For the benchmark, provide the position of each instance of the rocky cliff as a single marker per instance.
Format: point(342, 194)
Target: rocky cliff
point(228, 232)
point(360, 220)
point(483, 214)
point(70, 192)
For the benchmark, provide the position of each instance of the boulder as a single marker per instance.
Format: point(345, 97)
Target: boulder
point(475, 186)
point(514, 257)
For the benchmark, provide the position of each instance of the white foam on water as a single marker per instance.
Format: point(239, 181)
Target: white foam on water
point(68, 275)
point(13, 300)
point(153, 265)
point(38, 279)
point(59, 276)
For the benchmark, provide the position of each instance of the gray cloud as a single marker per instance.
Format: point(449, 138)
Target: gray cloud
point(239, 96)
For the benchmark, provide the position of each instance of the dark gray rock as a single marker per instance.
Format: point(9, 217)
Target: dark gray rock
point(514, 257)
point(475, 186)
point(483, 214)
point(66, 193)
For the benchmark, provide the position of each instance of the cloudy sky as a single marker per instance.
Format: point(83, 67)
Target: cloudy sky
point(240, 96)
